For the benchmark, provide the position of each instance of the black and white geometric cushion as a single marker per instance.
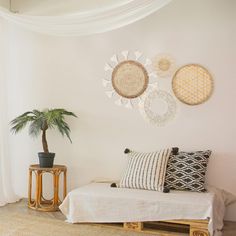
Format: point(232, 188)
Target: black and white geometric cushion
point(187, 170)
point(146, 170)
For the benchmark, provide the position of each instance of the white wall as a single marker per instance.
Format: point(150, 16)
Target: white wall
point(4, 3)
point(49, 71)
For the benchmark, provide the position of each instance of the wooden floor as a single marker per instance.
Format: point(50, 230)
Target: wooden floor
point(21, 207)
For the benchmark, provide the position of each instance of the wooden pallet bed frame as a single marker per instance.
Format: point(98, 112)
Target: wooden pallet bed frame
point(167, 228)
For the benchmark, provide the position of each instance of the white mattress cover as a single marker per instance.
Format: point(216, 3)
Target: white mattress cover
point(98, 202)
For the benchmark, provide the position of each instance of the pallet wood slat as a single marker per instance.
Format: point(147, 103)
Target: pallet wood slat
point(163, 228)
point(137, 226)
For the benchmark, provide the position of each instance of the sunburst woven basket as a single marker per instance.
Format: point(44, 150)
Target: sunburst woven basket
point(130, 79)
point(192, 84)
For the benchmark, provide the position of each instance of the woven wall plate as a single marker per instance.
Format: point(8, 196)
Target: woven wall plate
point(192, 84)
point(155, 117)
point(164, 65)
point(128, 76)
point(130, 79)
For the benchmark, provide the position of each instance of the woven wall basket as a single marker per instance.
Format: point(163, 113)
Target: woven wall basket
point(130, 79)
point(192, 84)
point(164, 65)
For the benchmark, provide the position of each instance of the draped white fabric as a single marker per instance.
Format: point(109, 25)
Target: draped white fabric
point(88, 22)
point(7, 194)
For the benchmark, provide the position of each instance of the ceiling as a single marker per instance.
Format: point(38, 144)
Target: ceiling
point(57, 7)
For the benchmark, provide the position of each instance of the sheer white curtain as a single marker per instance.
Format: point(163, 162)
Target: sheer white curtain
point(88, 22)
point(7, 194)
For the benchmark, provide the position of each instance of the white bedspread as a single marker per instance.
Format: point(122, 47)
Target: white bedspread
point(98, 202)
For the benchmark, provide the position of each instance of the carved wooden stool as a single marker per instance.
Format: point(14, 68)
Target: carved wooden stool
point(39, 202)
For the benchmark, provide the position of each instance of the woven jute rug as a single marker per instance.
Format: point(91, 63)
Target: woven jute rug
point(16, 224)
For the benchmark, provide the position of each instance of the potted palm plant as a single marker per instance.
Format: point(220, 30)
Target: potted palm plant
point(39, 122)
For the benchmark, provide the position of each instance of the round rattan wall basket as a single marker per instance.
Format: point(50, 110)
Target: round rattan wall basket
point(192, 84)
point(129, 75)
point(164, 65)
point(130, 79)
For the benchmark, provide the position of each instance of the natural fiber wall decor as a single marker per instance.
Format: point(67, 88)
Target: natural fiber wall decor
point(129, 75)
point(130, 79)
point(164, 65)
point(159, 119)
point(192, 84)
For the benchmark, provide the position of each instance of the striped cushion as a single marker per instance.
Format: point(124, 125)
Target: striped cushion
point(146, 170)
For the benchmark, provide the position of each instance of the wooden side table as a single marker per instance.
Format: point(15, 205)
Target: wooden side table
point(39, 202)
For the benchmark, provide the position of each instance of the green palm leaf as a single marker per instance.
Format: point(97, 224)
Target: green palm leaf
point(40, 121)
